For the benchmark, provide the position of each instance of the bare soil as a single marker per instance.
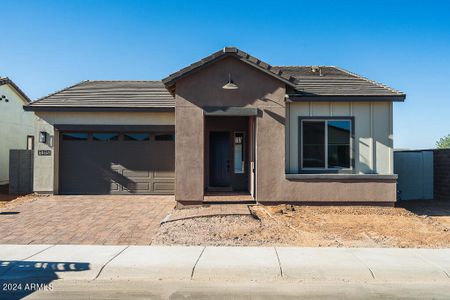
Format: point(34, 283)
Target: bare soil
point(414, 224)
point(8, 200)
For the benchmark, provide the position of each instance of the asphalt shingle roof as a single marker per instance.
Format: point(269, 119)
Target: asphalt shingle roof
point(110, 94)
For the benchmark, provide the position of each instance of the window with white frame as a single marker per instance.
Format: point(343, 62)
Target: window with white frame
point(325, 143)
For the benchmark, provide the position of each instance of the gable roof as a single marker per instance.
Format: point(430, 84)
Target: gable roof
point(304, 83)
point(6, 80)
point(170, 80)
point(107, 95)
point(333, 82)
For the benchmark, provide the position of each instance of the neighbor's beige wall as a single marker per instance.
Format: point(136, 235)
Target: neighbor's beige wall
point(373, 132)
point(15, 125)
point(46, 167)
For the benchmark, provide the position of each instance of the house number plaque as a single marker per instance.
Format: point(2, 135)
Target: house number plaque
point(44, 152)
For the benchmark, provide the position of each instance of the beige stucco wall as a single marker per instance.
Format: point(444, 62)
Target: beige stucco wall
point(15, 125)
point(46, 167)
point(373, 140)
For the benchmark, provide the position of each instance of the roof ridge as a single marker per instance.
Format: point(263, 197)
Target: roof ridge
point(60, 90)
point(304, 66)
point(371, 81)
point(118, 80)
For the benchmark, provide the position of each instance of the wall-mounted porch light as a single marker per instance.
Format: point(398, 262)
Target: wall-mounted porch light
point(230, 84)
point(42, 137)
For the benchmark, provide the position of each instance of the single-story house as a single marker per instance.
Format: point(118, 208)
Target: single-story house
point(16, 125)
point(229, 126)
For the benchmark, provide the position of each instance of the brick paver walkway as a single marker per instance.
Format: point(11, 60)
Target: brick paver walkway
point(109, 220)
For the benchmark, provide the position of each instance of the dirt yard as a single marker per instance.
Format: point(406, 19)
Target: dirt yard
point(412, 224)
point(7, 200)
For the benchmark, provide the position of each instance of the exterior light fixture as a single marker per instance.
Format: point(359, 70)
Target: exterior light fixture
point(230, 85)
point(42, 137)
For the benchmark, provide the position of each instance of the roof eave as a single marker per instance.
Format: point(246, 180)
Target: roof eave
point(96, 109)
point(170, 80)
point(343, 98)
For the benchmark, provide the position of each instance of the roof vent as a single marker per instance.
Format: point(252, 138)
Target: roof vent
point(316, 69)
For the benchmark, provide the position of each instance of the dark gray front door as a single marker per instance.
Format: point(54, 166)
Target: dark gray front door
point(117, 163)
point(219, 159)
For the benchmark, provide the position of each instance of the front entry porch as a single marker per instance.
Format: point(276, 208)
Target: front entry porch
point(229, 159)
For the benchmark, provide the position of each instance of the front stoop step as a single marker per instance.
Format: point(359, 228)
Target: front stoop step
point(228, 198)
point(228, 202)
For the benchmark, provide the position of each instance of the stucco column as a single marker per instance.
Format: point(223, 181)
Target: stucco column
point(189, 152)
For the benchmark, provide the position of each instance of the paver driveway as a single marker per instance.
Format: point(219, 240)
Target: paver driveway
point(109, 220)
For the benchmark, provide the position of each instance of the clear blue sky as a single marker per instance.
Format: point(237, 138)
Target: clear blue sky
point(48, 45)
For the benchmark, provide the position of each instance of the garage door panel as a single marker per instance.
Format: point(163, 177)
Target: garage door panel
point(117, 167)
point(138, 186)
point(137, 174)
point(115, 187)
point(164, 174)
point(164, 186)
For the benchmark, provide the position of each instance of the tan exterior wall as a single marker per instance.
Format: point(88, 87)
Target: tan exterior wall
point(339, 191)
point(46, 167)
point(257, 89)
point(15, 125)
point(373, 140)
point(204, 88)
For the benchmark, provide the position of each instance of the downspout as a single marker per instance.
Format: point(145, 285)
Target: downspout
point(287, 138)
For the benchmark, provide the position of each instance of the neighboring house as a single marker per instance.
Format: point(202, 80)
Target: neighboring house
point(227, 125)
point(16, 125)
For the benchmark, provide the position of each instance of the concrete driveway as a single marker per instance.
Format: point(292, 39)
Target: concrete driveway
point(107, 220)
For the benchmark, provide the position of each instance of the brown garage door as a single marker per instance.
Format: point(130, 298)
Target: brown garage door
point(116, 163)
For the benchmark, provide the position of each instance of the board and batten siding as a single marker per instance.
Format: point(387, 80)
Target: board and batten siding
point(373, 143)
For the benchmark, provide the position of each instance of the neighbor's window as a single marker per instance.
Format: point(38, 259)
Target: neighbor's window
point(136, 136)
point(30, 142)
point(105, 136)
point(164, 137)
point(326, 144)
point(75, 136)
point(239, 152)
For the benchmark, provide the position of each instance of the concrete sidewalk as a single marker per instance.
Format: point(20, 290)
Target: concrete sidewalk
point(223, 264)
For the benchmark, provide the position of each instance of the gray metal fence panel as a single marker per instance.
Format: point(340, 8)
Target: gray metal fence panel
point(415, 174)
point(20, 171)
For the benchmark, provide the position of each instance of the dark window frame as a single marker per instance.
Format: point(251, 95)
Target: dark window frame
point(325, 169)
